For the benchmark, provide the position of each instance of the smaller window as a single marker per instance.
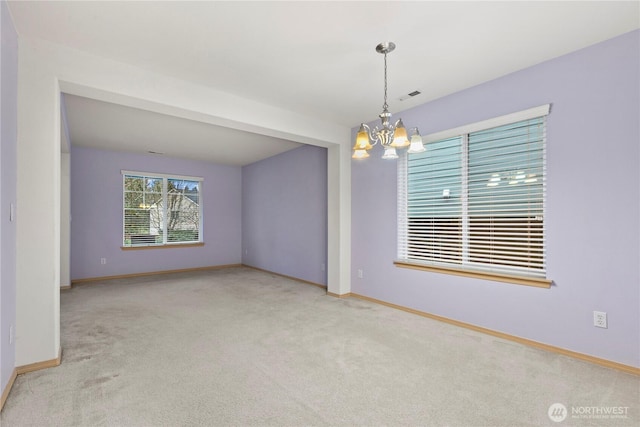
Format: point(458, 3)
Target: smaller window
point(160, 209)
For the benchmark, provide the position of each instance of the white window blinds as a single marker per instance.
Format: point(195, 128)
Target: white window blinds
point(476, 200)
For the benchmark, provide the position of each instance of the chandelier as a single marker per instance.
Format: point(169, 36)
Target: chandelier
point(390, 137)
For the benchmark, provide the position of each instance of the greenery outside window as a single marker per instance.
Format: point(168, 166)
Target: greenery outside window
point(161, 209)
point(475, 200)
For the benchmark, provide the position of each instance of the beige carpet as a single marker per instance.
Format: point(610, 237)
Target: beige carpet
point(242, 347)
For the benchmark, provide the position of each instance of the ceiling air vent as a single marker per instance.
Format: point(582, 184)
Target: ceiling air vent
point(409, 95)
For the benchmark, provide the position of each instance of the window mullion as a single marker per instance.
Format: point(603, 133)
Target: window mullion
point(164, 210)
point(464, 199)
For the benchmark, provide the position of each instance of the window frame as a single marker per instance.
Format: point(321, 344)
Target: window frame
point(166, 243)
point(500, 274)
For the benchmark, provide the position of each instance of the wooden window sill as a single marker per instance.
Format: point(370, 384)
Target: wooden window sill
point(171, 246)
point(497, 277)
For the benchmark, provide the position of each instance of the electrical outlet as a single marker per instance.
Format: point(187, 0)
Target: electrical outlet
point(600, 319)
point(103, 261)
point(11, 334)
point(360, 274)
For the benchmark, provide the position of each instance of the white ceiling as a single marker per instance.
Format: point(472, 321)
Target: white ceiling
point(315, 58)
point(104, 125)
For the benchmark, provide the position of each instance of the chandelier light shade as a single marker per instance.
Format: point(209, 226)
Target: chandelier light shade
point(416, 145)
point(389, 136)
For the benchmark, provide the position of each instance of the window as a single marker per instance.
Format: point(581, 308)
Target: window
point(160, 209)
point(475, 200)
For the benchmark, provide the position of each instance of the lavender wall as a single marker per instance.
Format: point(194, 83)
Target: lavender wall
point(8, 166)
point(284, 214)
point(593, 202)
point(96, 214)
